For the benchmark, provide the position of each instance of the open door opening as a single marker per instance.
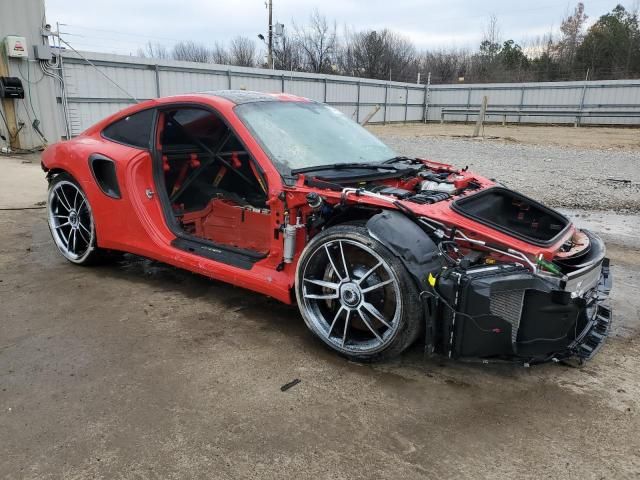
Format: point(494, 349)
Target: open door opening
point(214, 191)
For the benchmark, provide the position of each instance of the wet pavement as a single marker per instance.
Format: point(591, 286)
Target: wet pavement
point(139, 370)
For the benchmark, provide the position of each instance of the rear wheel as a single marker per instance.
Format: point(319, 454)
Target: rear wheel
point(71, 220)
point(356, 296)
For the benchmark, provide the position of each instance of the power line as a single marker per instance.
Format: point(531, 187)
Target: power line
point(122, 33)
point(97, 69)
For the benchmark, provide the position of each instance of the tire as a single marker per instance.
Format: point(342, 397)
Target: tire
point(71, 221)
point(356, 296)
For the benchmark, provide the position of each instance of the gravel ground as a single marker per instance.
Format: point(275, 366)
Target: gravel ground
point(557, 176)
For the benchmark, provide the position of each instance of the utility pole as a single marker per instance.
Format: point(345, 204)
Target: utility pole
point(270, 42)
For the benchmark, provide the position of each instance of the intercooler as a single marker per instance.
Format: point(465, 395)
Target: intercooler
point(507, 304)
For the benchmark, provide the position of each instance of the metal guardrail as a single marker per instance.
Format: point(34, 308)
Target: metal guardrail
point(504, 113)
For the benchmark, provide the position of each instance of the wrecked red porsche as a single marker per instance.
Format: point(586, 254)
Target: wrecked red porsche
point(290, 198)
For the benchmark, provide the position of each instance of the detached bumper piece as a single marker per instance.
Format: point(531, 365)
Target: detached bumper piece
point(506, 312)
point(594, 335)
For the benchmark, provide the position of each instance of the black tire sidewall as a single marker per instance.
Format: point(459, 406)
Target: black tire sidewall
point(411, 310)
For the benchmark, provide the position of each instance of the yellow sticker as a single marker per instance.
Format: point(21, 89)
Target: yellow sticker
point(432, 280)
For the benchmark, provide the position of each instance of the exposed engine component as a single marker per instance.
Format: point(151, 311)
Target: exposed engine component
point(290, 234)
point(314, 200)
point(432, 186)
point(428, 197)
point(397, 192)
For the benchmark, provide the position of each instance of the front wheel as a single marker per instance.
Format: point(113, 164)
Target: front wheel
point(356, 296)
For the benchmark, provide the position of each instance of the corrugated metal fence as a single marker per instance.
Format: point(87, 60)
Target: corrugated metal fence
point(91, 97)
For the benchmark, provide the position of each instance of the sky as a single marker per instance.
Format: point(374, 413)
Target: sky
point(122, 26)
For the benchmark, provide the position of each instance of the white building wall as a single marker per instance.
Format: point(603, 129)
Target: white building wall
point(24, 18)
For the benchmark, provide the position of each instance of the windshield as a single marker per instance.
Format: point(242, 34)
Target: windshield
point(306, 134)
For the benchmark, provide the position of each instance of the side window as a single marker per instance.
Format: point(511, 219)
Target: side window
point(190, 128)
point(134, 130)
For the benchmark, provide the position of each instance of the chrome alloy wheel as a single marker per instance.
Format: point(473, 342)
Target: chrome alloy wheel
point(351, 297)
point(70, 221)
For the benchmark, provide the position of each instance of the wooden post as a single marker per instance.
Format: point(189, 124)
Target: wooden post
point(386, 100)
point(9, 108)
point(480, 121)
point(370, 115)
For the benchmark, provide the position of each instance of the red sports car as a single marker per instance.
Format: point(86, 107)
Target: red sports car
point(289, 198)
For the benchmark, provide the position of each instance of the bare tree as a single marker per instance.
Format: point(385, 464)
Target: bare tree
point(485, 66)
point(191, 52)
point(445, 65)
point(318, 43)
point(572, 29)
point(287, 54)
point(490, 44)
point(242, 52)
point(154, 50)
point(383, 55)
point(219, 54)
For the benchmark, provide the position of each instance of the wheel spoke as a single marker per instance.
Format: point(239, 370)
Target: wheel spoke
point(75, 199)
point(313, 296)
point(82, 204)
point(75, 236)
point(85, 228)
point(65, 198)
point(62, 225)
point(376, 313)
point(333, 265)
point(344, 262)
point(60, 216)
point(366, 275)
point(346, 327)
point(83, 237)
point(364, 318)
point(322, 283)
point(61, 202)
point(68, 239)
point(335, 319)
point(377, 285)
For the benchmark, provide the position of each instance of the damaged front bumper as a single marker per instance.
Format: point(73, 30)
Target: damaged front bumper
point(508, 312)
point(592, 337)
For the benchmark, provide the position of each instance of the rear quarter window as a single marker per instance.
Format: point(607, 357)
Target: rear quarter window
point(133, 130)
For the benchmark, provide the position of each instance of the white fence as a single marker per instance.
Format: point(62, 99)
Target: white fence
point(90, 96)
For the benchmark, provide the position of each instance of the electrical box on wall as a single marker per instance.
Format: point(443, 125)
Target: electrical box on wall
point(11, 87)
point(16, 47)
point(42, 52)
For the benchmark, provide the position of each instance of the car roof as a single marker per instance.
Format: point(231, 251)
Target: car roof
point(240, 97)
point(247, 96)
point(235, 97)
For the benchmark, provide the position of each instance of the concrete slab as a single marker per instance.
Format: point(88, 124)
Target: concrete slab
point(22, 181)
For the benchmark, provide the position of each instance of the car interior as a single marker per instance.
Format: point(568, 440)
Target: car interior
point(216, 190)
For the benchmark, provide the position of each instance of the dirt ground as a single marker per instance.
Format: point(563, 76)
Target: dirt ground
point(584, 137)
point(139, 370)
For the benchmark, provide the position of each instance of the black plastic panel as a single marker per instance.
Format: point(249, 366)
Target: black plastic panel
point(231, 256)
point(104, 172)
